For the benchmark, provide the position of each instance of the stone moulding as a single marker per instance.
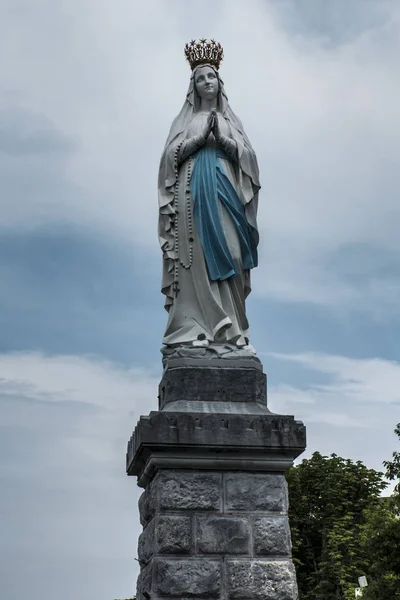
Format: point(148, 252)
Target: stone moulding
point(213, 441)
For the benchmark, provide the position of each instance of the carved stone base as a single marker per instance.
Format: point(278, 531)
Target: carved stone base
point(210, 534)
point(214, 509)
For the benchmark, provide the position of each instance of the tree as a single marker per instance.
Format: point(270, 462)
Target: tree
point(393, 470)
point(329, 500)
point(381, 539)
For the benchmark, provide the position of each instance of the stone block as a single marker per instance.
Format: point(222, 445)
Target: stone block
point(147, 505)
point(146, 543)
point(209, 384)
point(189, 490)
point(188, 578)
point(223, 535)
point(264, 492)
point(258, 580)
point(173, 535)
point(271, 536)
point(144, 583)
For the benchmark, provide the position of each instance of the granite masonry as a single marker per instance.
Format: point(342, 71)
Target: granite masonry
point(214, 507)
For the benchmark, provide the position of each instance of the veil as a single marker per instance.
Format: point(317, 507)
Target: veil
point(247, 175)
point(247, 158)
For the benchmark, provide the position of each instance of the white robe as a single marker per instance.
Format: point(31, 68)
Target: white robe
point(213, 308)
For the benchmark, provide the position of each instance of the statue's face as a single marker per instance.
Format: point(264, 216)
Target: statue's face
point(206, 82)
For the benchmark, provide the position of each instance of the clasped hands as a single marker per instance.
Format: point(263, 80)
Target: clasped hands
point(193, 144)
point(212, 125)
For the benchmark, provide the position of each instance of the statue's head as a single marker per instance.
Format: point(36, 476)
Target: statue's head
point(206, 82)
point(204, 58)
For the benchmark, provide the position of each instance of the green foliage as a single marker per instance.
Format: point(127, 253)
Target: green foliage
point(381, 543)
point(329, 500)
point(381, 540)
point(393, 470)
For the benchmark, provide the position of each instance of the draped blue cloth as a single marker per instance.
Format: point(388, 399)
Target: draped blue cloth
point(209, 187)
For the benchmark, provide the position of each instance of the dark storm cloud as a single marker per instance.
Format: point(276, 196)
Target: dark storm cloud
point(68, 290)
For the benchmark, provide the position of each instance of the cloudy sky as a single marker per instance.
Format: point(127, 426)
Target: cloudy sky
point(88, 90)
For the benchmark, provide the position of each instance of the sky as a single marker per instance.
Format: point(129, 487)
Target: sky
point(88, 90)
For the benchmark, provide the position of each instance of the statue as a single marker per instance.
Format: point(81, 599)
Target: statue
point(213, 457)
point(208, 192)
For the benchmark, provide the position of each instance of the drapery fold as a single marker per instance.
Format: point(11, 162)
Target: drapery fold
point(209, 187)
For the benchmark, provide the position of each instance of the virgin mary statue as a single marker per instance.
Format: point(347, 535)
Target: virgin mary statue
point(208, 191)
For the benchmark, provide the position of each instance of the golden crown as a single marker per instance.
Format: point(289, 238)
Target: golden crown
point(204, 52)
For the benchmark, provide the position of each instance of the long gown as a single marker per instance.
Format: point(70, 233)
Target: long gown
point(203, 308)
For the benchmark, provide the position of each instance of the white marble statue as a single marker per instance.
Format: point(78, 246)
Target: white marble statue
point(208, 191)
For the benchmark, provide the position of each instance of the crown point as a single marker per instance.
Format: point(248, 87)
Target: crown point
point(204, 52)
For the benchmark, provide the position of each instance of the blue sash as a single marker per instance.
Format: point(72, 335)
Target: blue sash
point(209, 186)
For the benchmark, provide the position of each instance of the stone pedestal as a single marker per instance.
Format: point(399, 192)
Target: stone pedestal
point(214, 509)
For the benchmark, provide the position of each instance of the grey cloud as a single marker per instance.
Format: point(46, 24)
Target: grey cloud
point(94, 88)
point(336, 22)
point(70, 514)
point(69, 507)
point(24, 133)
point(35, 186)
point(324, 121)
